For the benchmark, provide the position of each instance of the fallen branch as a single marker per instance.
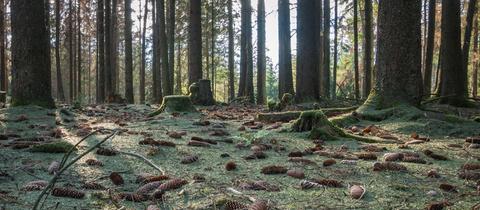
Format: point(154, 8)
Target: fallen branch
point(147, 161)
point(52, 182)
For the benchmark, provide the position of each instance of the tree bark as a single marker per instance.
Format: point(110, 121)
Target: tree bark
point(178, 83)
point(475, 58)
point(472, 8)
point(60, 93)
point(427, 76)
point(31, 82)
point(368, 49)
point(171, 43)
point(453, 90)
point(109, 89)
point(325, 90)
point(246, 60)
point(231, 53)
point(3, 57)
point(307, 39)
point(213, 65)
point(195, 42)
point(70, 51)
point(398, 55)
point(165, 73)
point(261, 59)
point(101, 52)
point(355, 50)
point(320, 46)
point(144, 59)
point(285, 78)
point(79, 52)
point(335, 53)
point(128, 53)
point(114, 49)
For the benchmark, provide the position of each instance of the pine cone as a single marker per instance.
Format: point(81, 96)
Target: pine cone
point(329, 183)
point(366, 156)
point(329, 162)
point(412, 159)
point(274, 170)
point(67, 193)
point(309, 185)
point(116, 178)
point(173, 184)
point(388, 166)
point(234, 205)
point(35, 185)
point(189, 159)
point(93, 162)
point(134, 197)
point(230, 166)
point(106, 152)
point(147, 188)
point(93, 186)
point(471, 166)
point(259, 205)
point(155, 178)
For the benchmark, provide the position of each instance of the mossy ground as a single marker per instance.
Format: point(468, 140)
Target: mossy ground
point(385, 190)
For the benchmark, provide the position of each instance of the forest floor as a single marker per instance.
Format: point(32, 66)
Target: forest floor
point(236, 135)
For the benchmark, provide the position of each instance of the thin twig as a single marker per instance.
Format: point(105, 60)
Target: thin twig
point(147, 161)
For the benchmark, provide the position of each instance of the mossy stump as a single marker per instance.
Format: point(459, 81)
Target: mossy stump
point(201, 93)
point(175, 103)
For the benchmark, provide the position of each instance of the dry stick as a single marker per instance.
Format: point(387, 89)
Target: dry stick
point(63, 169)
point(147, 161)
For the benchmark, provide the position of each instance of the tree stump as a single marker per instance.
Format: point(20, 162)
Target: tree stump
point(175, 103)
point(201, 93)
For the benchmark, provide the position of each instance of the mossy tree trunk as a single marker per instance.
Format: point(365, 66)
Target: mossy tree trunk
point(398, 55)
point(31, 82)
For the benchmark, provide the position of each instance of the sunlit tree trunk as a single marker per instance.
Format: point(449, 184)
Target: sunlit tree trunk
point(261, 59)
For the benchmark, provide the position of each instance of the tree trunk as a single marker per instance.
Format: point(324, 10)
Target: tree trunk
point(335, 53)
point(31, 82)
point(171, 43)
point(307, 39)
point(3, 58)
point(472, 7)
point(325, 90)
point(231, 53)
point(246, 62)
point(128, 53)
point(195, 42)
point(285, 78)
point(213, 46)
point(109, 89)
point(398, 55)
point(114, 44)
point(144, 59)
point(368, 49)
point(165, 73)
point(320, 46)
point(427, 76)
point(355, 49)
point(101, 52)
point(453, 81)
point(70, 50)
point(475, 58)
point(261, 59)
point(79, 52)
point(178, 83)
point(60, 93)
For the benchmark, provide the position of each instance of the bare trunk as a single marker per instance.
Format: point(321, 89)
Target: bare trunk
point(325, 90)
point(285, 78)
point(335, 52)
point(231, 53)
point(195, 42)
point(128, 53)
point(427, 75)
point(171, 43)
point(475, 58)
point(368, 49)
point(261, 60)
point(472, 8)
point(355, 49)
point(100, 52)
point(143, 65)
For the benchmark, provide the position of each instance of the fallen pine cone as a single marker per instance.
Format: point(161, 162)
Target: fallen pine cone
point(357, 192)
point(189, 159)
point(372, 148)
point(433, 174)
point(155, 178)
point(468, 175)
point(67, 193)
point(471, 166)
point(303, 161)
point(35, 186)
point(295, 154)
point(176, 135)
point(309, 185)
point(433, 155)
point(274, 170)
point(172, 184)
point(412, 159)
point(116, 178)
point(388, 166)
point(106, 152)
point(259, 205)
point(392, 157)
point(148, 188)
point(329, 183)
point(473, 140)
point(448, 187)
point(438, 205)
point(256, 155)
point(234, 205)
point(296, 173)
point(93, 186)
point(166, 143)
point(366, 156)
point(54, 167)
point(198, 144)
point(230, 166)
point(158, 194)
point(329, 162)
point(93, 162)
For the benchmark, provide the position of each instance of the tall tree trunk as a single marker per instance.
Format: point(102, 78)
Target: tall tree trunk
point(285, 78)
point(472, 8)
point(453, 81)
point(60, 94)
point(155, 60)
point(261, 59)
point(306, 49)
point(101, 52)
point(144, 59)
point(355, 49)
point(128, 53)
point(171, 43)
point(178, 83)
point(79, 52)
point(109, 89)
point(231, 53)
point(114, 50)
point(398, 55)
point(427, 75)
point(213, 16)
point(70, 50)
point(89, 73)
point(165, 74)
point(335, 52)
point(3, 57)
point(368, 49)
point(320, 47)
point(31, 82)
point(246, 60)
point(325, 90)
point(195, 42)
point(475, 58)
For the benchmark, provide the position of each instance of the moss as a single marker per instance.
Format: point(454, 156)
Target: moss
point(476, 119)
point(344, 120)
point(49, 104)
point(53, 147)
point(175, 103)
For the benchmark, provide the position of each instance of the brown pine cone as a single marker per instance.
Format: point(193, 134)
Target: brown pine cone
point(67, 193)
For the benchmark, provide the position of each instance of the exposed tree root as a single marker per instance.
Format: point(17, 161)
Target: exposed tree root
point(292, 115)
